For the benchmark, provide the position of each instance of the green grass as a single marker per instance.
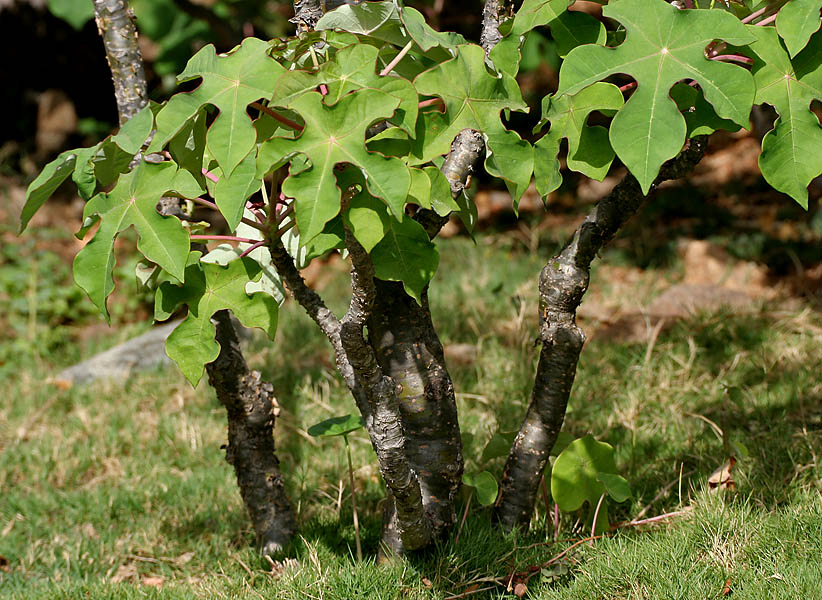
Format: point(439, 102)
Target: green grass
point(128, 482)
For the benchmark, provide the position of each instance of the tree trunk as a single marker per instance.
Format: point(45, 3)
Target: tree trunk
point(115, 22)
point(252, 410)
point(562, 284)
point(249, 402)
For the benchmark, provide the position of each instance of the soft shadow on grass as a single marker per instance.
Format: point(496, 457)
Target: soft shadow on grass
point(122, 491)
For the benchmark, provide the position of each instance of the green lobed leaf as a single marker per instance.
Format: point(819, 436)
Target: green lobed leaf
point(232, 191)
point(484, 484)
point(662, 46)
point(791, 155)
point(337, 426)
point(209, 288)
point(230, 83)
point(335, 134)
point(406, 254)
point(700, 117)
point(44, 185)
point(569, 30)
point(796, 22)
point(575, 476)
point(474, 98)
point(133, 201)
point(589, 151)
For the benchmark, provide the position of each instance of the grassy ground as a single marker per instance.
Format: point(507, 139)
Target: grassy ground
point(121, 491)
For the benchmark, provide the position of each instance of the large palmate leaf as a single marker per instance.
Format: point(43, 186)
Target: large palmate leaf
point(474, 98)
point(792, 151)
point(162, 240)
point(406, 254)
point(569, 30)
point(796, 22)
point(589, 152)
point(335, 134)
point(209, 288)
point(662, 46)
point(230, 83)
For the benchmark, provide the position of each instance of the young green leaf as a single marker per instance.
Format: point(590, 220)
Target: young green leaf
point(230, 83)
point(335, 134)
point(790, 156)
point(569, 30)
point(485, 486)
point(589, 151)
point(406, 254)
point(337, 426)
point(162, 240)
point(498, 446)
point(209, 288)
point(387, 21)
point(796, 22)
point(617, 486)
point(474, 98)
point(662, 46)
point(44, 185)
point(575, 477)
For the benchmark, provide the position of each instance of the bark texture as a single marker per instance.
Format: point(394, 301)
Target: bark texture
point(252, 410)
point(115, 22)
point(408, 350)
point(562, 284)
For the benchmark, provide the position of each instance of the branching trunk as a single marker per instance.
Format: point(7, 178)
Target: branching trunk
point(562, 284)
point(252, 410)
point(115, 22)
point(249, 402)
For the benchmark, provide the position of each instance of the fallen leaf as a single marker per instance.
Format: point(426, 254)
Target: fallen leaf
point(124, 573)
point(726, 591)
point(427, 583)
point(520, 590)
point(153, 580)
point(61, 384)
point(184, 558)
point(722, 476)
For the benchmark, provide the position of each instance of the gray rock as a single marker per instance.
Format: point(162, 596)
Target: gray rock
point(145, 352)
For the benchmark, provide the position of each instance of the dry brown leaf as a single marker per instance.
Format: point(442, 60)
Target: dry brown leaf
point(722, 478)
point(184, 558)
point(153, 580)
point(124, 573)
point(427, 582)
point(726, 591)
point(520, 590)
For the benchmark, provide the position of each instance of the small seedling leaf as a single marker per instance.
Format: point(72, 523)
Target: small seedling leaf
point(337, 426)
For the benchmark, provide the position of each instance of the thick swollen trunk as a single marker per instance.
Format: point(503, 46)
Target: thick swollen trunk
point(562, 284)
point(252, 410)
point(408, 350)
point(115, 22)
